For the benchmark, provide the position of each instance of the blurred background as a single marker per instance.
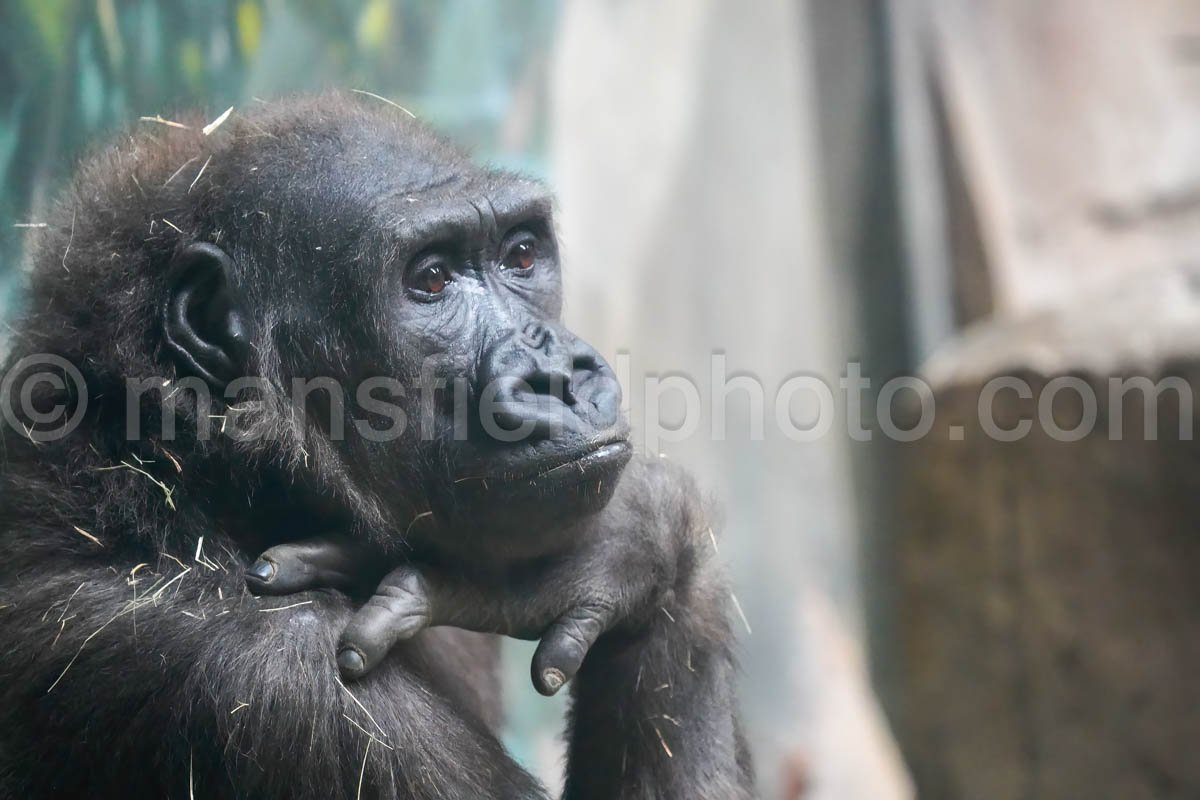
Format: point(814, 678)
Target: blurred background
point(952, 188)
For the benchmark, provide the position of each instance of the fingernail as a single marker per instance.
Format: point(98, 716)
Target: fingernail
point(553, 679)
point(262, 569)
point(350, 661)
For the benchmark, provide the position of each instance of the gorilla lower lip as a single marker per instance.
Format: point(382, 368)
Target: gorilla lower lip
point(601, 465)
point(597, 456)
point(582, 465)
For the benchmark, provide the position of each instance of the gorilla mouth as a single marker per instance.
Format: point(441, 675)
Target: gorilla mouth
point(601, 456)
point(558, 466)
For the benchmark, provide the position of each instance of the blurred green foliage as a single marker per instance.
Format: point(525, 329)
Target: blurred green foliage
point(74, 71)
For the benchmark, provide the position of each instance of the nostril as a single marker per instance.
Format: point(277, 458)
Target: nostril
point(596, 387)
point(585, 362)
point(552, 384)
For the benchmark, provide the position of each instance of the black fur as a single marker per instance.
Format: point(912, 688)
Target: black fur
point(135, 664)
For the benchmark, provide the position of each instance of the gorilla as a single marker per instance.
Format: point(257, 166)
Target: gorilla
point(294, 433)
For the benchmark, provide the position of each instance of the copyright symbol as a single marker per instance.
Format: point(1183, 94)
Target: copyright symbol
point(24, 379)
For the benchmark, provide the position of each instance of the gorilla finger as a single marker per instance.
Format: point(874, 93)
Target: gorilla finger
point(317, 563)
point(399, 609)
point(565, 644)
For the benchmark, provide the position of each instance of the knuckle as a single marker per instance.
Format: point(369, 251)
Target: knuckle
point(387, 604)
point(406, 590)
point(573, 633)
point(354, 636)
point(404, 582)
point(598, 609)
point(396, 604)
point(583, 626)
point(394, 592)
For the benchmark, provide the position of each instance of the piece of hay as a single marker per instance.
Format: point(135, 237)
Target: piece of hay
point(167, 491)
point(168, 122)
point(87, 535)
point(741, 613)
point(181, 169)
point(285, 608)
point(197, 178)
point(385, 100)
point(70, 241)
point(216, 123)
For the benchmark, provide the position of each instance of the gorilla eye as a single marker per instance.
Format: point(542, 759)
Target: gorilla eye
point(429, 277)
point(521, 256)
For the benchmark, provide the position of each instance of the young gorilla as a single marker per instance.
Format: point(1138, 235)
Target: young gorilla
point(333, 239)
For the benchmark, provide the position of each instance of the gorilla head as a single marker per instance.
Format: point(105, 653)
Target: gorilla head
point(353, 301)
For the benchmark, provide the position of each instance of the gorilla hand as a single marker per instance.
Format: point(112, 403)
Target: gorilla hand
point(618, 569)
point(633, 587)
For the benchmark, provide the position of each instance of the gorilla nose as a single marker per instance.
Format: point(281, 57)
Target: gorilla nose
point(543, 381)
point(551, 370)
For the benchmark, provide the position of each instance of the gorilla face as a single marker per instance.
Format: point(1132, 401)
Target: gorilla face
point(430, 292)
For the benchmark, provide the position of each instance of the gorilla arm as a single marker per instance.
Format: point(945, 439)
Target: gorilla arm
point(633, 608)
point(143, 680)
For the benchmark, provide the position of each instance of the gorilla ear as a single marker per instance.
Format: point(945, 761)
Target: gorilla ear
point(204, 323)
